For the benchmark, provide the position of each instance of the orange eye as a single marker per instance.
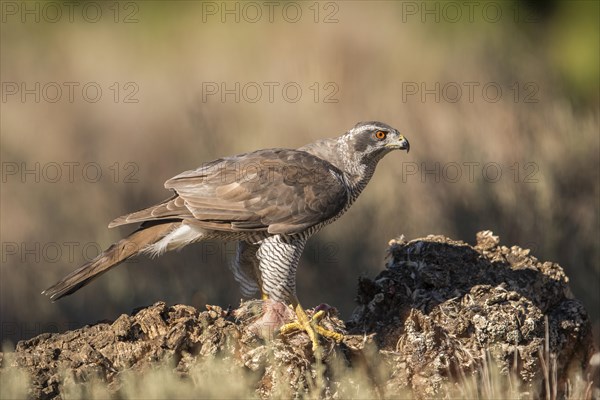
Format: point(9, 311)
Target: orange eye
point(380, 135)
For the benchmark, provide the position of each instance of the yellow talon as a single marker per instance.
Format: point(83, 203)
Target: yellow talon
point(338, 337)
point(310, 326)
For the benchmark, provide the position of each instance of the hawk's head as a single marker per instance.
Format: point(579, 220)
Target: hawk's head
point(372, 140)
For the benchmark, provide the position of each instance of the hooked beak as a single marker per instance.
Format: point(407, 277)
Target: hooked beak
point(401, 144)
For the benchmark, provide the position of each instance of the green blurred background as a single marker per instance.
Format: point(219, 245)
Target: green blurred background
point(500, 102)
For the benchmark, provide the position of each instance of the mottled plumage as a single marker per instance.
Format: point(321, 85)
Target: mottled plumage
point(269, 201)
point(279, 191)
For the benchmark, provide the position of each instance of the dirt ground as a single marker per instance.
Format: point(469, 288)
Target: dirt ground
point(443, 319)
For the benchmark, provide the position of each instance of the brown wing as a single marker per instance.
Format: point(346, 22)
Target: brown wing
point(278, 190)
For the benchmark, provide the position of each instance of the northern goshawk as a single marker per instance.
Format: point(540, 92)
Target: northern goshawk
point(268, 201)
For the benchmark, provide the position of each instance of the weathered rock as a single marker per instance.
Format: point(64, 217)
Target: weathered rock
point(441, 312)
point(441, 306)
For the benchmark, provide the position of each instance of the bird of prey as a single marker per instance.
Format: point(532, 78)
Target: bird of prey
point(269, 201)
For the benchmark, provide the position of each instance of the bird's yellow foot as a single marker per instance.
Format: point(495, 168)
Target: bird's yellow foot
point(310, 326)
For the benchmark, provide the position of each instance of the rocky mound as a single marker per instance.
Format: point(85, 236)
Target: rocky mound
point(444, 319)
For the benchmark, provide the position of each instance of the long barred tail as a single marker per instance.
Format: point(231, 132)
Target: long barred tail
point(111, 257)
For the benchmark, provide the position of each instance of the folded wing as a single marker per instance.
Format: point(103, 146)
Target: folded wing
point(276, 190)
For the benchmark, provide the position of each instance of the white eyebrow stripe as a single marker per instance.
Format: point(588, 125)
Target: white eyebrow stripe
point(368, 127)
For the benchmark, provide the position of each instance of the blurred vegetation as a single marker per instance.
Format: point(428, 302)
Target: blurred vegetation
point(541, 134)
point(336, 380)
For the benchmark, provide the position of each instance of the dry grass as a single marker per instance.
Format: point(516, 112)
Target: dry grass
point(217, 379)
point(13, 381)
